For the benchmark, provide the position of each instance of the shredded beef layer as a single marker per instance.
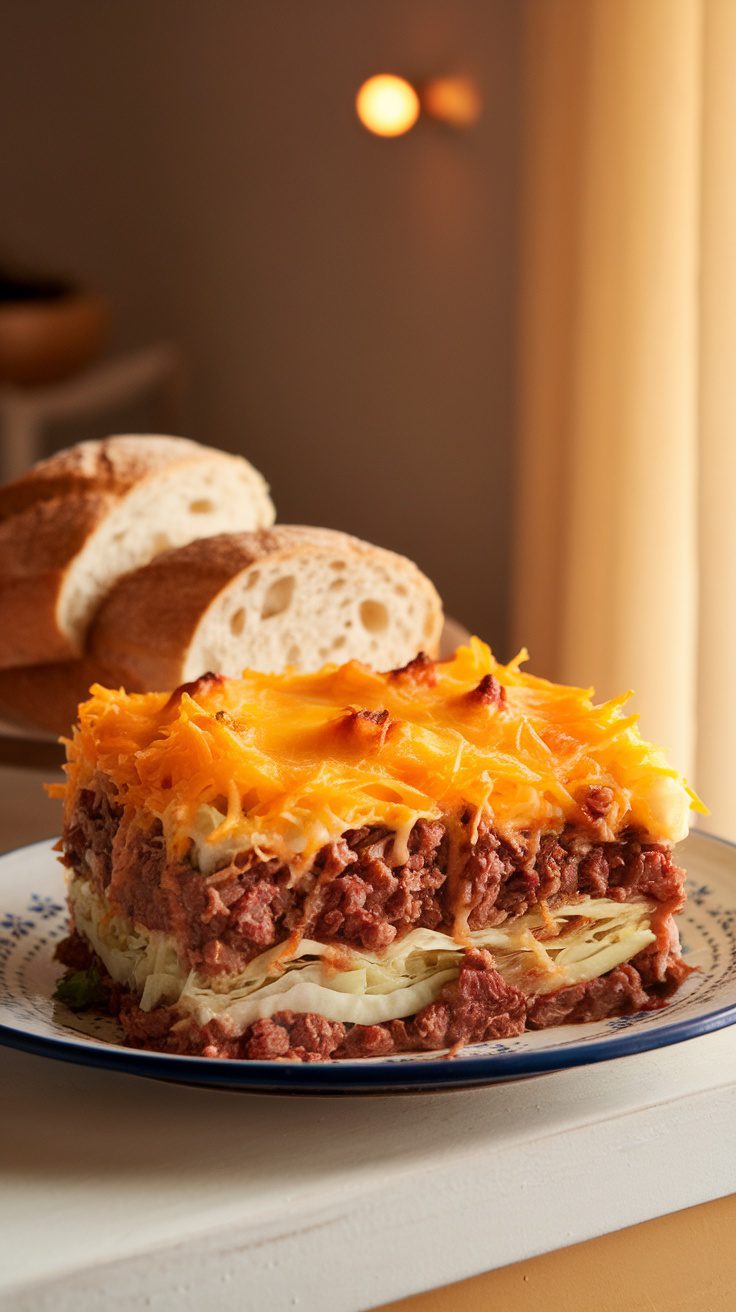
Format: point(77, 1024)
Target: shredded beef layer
point(353, 894)
point(476, 1007)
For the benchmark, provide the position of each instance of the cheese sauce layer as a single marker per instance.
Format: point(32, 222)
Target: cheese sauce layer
point(285, 763)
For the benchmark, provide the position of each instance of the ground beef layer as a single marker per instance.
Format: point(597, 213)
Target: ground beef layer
point(353, 893)
point(477, 1006)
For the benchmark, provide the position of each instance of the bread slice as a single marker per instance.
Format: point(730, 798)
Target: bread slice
point(284, 596)
point(76, 522)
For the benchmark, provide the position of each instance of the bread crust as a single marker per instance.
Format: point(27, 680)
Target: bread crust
point(170, 595)
point(48, 515)
point(35, 548)
point(110, 466)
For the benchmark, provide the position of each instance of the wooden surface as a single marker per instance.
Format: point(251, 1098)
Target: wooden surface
point(29, 753)
point(680, 1263)
point(26, 813)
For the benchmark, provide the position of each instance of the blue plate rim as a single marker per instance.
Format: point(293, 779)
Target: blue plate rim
point(371, 1075)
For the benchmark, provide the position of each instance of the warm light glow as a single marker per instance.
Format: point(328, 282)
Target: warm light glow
point(453, 100)
point(387, 105)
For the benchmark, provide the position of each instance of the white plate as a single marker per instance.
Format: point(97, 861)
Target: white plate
point(33, 919)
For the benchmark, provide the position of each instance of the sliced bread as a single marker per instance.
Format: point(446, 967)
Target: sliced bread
point(284, 596)
point(74, 524)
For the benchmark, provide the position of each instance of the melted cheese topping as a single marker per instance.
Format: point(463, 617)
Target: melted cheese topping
point(285, 763)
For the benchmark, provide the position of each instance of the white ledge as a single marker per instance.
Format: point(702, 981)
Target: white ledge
point(127, 1192)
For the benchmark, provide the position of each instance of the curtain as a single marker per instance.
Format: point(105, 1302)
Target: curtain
point(625, 552)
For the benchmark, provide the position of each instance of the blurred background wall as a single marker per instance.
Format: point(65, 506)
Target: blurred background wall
point(345, 305)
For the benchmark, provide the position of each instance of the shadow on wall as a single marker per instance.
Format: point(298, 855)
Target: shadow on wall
point(345, 304)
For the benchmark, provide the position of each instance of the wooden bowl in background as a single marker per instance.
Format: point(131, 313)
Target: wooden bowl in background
point(48, 330)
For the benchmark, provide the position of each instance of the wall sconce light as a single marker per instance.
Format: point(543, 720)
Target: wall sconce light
point(389, 105)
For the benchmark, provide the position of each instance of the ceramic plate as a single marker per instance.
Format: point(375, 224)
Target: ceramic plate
point(33, 919)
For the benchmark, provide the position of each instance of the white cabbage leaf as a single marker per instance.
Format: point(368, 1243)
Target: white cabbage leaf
point(144, 960)
point(538, 953)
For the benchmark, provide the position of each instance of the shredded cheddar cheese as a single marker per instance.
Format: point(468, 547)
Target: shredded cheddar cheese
point(286, 763)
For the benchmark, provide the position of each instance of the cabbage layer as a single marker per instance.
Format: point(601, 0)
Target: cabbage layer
point(540, 952)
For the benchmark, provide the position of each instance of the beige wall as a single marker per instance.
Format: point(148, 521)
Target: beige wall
point(345, 304)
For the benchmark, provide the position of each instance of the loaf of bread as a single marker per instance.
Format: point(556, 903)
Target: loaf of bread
point(264, 600)
point(76, 522)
